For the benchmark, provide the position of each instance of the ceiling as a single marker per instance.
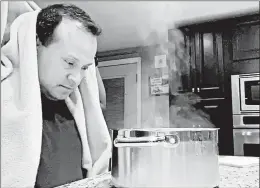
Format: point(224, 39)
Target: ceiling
point(128, 23)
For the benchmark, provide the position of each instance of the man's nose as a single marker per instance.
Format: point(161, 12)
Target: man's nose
point(74, 79)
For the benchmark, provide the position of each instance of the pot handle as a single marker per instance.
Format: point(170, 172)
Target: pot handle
point(167, 140)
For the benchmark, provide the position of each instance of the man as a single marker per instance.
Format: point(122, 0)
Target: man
point(18, 8)
point(66, 47)
point(63, 58)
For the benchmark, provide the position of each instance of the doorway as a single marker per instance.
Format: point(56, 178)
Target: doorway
point(122, 81)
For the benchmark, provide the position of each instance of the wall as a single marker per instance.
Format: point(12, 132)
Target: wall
point(125, 23)
point(152, 106)
point(155, 109)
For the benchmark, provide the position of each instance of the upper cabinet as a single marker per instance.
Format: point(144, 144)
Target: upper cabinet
point(246, 41)
point(242, 44)
point(218, 49)
point(207, 62)
point(206, 71)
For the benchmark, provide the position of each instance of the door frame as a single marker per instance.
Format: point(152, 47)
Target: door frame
point(137, 61)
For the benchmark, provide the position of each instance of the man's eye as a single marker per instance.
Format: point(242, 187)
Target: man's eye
point(69, 62)
point(85, 68)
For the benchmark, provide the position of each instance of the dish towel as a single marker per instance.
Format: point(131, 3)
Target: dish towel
point(21, 119)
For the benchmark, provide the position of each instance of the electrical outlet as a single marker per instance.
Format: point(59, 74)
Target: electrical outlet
point(160, 61)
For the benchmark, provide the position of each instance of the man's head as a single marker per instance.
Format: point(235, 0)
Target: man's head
point(66, 45)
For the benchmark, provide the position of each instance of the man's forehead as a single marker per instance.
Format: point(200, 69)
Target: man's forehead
point(74, 30)
point(75, 38)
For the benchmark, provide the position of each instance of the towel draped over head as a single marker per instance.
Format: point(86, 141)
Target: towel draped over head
point(21, 119)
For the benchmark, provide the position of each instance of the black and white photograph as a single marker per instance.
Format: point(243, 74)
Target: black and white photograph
point(130, 94)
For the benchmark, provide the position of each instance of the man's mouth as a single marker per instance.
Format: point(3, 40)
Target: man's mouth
point(66, 87)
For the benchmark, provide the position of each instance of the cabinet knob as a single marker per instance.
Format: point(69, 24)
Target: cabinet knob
point(193, 90)
point(198, 89)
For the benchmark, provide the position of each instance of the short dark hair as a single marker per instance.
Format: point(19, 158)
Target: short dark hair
point(51, 16)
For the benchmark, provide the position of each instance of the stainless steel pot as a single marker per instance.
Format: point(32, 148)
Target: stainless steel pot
point(166, 157)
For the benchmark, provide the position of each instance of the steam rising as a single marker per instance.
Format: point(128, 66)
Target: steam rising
point(162, 16)
point(187, 164)
point(155, 32)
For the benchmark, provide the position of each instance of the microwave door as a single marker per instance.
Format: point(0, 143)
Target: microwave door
point(249, 93)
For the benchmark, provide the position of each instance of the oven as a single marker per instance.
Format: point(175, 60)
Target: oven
point(245, 100)
point(245, 113)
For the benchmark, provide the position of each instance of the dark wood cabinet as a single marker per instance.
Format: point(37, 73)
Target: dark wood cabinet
point(246, 41)
point(218, 111)
point(218, 49)
point(241, 44)
point(205, 73)
point(207, 62)
point(245, 66)
point(206, 78)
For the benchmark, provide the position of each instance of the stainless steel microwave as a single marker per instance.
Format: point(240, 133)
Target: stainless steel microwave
point(245, 93)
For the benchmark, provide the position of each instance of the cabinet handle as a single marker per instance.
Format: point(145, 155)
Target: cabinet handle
point(198, 89)
point(212, 106)
point(212, 99)
point(193, 90)
point(209, 88)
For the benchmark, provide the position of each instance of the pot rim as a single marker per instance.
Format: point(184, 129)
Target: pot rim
point(165, 129)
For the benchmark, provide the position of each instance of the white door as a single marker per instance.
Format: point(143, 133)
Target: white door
point(120, 82)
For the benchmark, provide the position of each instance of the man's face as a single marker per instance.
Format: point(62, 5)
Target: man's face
point(63, 63)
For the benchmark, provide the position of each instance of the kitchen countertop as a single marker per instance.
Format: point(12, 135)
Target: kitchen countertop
point(230, 177)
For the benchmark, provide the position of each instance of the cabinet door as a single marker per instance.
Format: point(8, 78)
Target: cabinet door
point(186, 78)
point(219, 115)
point(209, 64)
point(246, 42)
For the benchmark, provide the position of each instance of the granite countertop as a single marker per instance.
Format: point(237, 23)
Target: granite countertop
point(230, 177)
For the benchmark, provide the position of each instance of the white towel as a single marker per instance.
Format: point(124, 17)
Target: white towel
point(21, 119)
point(4, 13)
